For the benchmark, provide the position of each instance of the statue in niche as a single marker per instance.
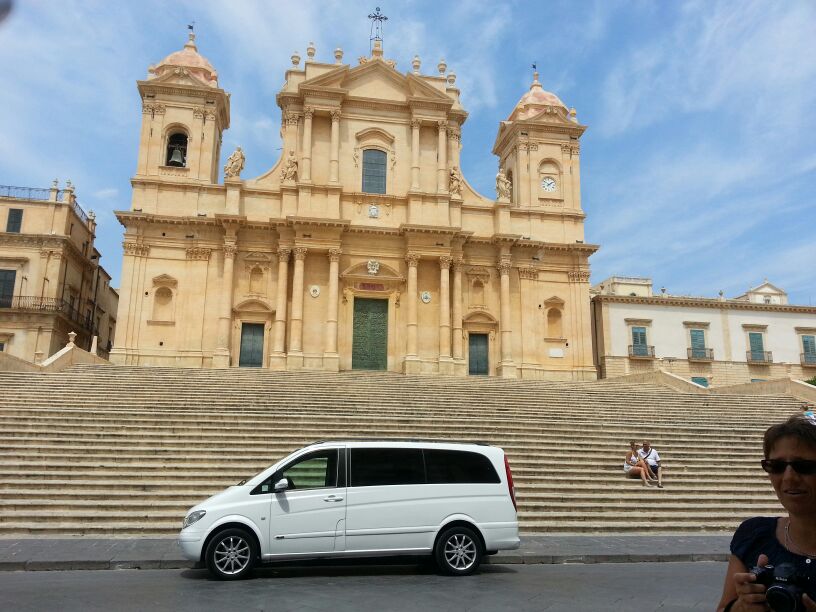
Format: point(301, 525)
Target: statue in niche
point(455, 182)
point(290, 167)
point(235, 164)
point(503, 186)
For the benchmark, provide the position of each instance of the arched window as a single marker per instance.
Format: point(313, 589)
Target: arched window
point(554, 329)
point(256, 280)
point(163, 304)
point(177, 150)
point(374, 163)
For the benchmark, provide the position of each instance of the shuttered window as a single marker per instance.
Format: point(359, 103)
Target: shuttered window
point(7, 278)
point(639, 341)
point(809, 349)
point(698, 344)
point(15, 220)
point(374, 171)
point(700, 380)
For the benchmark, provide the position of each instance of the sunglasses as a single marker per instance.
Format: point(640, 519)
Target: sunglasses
point(806, 467)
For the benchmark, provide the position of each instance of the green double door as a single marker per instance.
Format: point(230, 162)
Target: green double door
point(369, 347)
point(252, 343)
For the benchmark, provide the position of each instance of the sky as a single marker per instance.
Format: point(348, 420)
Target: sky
point(698, 167)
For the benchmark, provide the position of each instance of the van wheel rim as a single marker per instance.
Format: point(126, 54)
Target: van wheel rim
point(460, 551)
point(232, 555)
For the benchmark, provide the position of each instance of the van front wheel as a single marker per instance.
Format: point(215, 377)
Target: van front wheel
point(231, 554)
point(458, 551)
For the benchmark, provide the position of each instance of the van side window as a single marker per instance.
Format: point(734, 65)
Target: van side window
point(317, 470)
point(372, 467)
point(450, 467)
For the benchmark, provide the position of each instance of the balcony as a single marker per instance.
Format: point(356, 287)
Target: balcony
point(759, 357)
point(44, 304)
point(37, 193)
point(808, 360)
point(700, 354)
point(641, 351)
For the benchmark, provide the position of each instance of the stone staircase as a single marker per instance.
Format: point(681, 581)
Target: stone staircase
point(124, 451)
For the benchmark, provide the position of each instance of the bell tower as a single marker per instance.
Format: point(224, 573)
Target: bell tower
point(184, 113)
point(538, 151)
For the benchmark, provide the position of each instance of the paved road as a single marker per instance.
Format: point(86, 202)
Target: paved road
point(641, 587)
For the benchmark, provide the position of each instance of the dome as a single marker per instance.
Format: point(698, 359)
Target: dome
point(197, 65)
point(534, 101)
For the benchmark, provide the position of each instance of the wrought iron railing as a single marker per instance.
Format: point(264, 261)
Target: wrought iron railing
point(24, 193)
point(33, 302)
point(808, 359)
point(700, 354)
point(759, 356)
point(641, 351)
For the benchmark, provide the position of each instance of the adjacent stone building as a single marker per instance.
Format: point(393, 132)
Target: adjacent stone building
point(711, 341)
point(363, 246)
point(51, 282)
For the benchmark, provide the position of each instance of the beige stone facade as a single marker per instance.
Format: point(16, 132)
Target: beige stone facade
point(712, 341)
point(363, 246)
point(51, 282)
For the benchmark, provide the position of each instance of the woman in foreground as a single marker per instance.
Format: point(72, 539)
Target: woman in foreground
point(790, 461)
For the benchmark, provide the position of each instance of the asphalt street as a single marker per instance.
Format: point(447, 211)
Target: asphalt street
point(679, 587)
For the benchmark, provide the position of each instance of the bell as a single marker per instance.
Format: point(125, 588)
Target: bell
point(176, 159)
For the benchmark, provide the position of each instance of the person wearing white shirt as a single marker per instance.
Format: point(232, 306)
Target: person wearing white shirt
point(651, 456)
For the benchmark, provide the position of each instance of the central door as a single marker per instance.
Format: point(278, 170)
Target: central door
point(477, 354)
point(252, 341)
point(369, 348)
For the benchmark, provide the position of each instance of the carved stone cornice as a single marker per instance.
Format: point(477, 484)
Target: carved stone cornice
point(412, 259)
point(334, 254)
point(579, 276)
point(300, 253)
point(528, 273)
point(283, 254)
point(445, 262)
point(198, 253)
point(135, 249)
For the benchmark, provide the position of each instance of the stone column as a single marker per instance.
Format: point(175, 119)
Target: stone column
point(222, 352)
point(290, 119)
point(331, 360)
point(506, 369)
point(277, 359)
point(308, 112)
point(296, 340)
point(457, 309)
point(442, 157)
point(454, 138)
point(522, 187)
point(415, 154)
point(411, 356)
point(334, 163)
point(444, 307)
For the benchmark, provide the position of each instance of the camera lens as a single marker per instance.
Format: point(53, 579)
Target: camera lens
point(783, 598)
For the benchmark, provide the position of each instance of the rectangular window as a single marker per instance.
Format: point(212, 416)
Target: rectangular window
point(15, 220)
point(757, 346)
point(374, 162)
point(373, 467)
point(639, 341)
point(2, 346)
point(457, 467)
point(7, 278)
point(809, 349)
point(700, 380)
point(698, 344)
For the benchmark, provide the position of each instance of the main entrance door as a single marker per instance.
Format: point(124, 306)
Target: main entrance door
point(477, 353)
point(369, 348)
point(252, 342)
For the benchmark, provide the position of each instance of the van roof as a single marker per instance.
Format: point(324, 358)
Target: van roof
point(413, 440)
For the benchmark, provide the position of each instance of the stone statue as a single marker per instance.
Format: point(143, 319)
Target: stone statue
point(455, 182)
point(503, 186)
point(290, 167)
point(235, 163)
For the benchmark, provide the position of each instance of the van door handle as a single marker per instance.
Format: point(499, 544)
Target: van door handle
point(332, 498)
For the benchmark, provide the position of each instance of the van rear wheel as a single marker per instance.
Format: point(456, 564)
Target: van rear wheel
point(458, 551)
point(231, 554)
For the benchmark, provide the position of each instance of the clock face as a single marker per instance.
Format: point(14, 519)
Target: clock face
point(548, 184)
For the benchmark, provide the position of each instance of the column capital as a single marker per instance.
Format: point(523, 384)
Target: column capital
point(300, 253)
point(291, 117)
point(442, 124)
point(504, 266)
point(198, 253)
point(283, 254)
point(335, 115)
point(445, 262)
point(458, 263)
point(334, 254)
point(578, 276)
point(135, 249)
point(529, 273)
point(230, 249)
point(416, 123)
point(412, 259)
point(308, 111)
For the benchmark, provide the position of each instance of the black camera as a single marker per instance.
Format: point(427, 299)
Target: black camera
point(784, 586)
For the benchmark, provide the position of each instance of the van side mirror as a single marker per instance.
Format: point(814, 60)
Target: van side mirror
point(281, 485)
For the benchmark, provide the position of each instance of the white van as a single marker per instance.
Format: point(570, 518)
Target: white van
point(361, 499)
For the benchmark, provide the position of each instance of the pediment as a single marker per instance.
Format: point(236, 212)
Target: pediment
point(554, 301)
point(179, 76)
point(363, 270)
point(480, 316)
point(164, 280)
point(549, 114)
point(253, 305)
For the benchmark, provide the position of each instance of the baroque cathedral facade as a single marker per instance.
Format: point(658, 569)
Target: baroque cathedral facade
point(363, 247)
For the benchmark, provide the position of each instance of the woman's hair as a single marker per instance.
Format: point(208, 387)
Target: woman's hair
point(632, 443)
point(795, 427)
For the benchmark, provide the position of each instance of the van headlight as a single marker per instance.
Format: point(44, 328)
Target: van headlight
point(193, 517)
